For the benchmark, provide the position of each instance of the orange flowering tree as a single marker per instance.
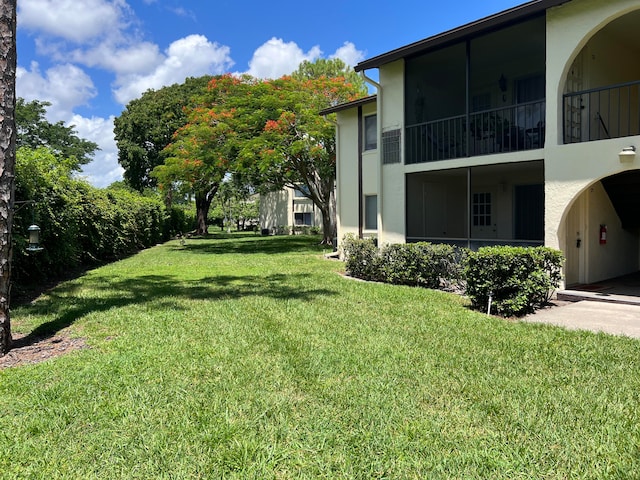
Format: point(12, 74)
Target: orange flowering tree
point(199, 157)
point(268, 133)
point(289, 143)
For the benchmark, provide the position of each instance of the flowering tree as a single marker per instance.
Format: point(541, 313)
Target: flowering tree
point(199, 157)
point(269, 132)
point(292, 145)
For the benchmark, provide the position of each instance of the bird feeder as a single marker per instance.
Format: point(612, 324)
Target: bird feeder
point(34, 239)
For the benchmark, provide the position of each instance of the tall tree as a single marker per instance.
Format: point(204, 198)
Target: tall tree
point(294, 146)
point(7, 159)
point(330, 68)
point(34, 131)
point(198, 158)
point(147, 125)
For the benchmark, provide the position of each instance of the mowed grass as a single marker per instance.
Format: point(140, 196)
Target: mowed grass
point(251, 357)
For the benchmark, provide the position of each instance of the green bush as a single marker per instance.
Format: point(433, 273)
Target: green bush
point(361, 258)
point(516, 280)
point(427, 265)
point(179, 220)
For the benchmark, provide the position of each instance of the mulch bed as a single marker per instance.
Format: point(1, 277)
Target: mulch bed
point(26, 351)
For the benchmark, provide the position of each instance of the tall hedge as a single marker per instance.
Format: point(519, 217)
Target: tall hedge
point(80, 224)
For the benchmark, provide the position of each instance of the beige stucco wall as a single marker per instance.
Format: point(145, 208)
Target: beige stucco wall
point(273, 209)
point(347, 202)
point(573, 169)
point(278, 209)
point(391, 205)
point(347, 173)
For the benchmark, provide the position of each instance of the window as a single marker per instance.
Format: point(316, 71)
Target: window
point(370, 212)
point(481, 209)
point(370, 132)
point(303, 218)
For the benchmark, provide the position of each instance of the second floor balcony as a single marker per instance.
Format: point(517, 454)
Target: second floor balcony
point(602, 113)
point(506, 129)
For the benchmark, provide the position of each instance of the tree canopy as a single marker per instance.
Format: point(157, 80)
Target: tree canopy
point(147, 125)
point(279, 139)
point(268, 132)
point(35, 131)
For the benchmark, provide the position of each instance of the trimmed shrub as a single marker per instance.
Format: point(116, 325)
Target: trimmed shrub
point(361, 258)
point(429, 265)
point(438, 266)
point(516, 280)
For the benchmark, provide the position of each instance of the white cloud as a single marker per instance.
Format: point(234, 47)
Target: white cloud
point(64, 86)
point(183, 12)
point(73, 20)
point(137, 58)
point(349, 54)
point(104, 169)
point(276, 58)
point(191, 56)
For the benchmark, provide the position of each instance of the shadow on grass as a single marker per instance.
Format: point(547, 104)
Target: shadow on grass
point(159, 292)
point(218, 244)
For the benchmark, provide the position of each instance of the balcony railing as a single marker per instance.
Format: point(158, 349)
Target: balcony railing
point(507, 129)
point(601, 113)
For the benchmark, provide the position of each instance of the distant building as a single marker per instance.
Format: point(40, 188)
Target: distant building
point(287, 208)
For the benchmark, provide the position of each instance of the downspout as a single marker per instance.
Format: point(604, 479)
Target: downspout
point(360, 190)
point(378, 88)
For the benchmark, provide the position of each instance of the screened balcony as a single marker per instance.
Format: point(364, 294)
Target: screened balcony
point(482, 96)
point(507, 129)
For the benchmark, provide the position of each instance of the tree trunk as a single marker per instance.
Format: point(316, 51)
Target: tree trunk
point(328, 210)
point(7, 159)
point(202, 212)
point(328, 226)
point(203, 203)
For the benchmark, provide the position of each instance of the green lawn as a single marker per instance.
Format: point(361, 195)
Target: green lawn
point(250, 357)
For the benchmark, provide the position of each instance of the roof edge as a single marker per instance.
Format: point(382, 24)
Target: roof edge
point(519, 12)
point(348, 105)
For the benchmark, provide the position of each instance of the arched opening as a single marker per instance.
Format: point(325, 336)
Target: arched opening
point(602, 90)
point(602, 231)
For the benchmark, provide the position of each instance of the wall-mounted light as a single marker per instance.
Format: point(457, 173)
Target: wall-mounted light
point(627, 154)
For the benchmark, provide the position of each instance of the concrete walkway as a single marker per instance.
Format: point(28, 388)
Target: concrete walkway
point(613, 318)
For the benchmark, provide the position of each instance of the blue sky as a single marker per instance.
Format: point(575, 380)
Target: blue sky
point(88, 58)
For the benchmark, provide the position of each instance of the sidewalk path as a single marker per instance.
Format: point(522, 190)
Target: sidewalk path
point(617, 319)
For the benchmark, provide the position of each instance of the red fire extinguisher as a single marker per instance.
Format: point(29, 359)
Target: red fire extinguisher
point(603, 234)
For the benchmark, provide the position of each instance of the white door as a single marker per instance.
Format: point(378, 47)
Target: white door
point(575, 243)
point(483, 214)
